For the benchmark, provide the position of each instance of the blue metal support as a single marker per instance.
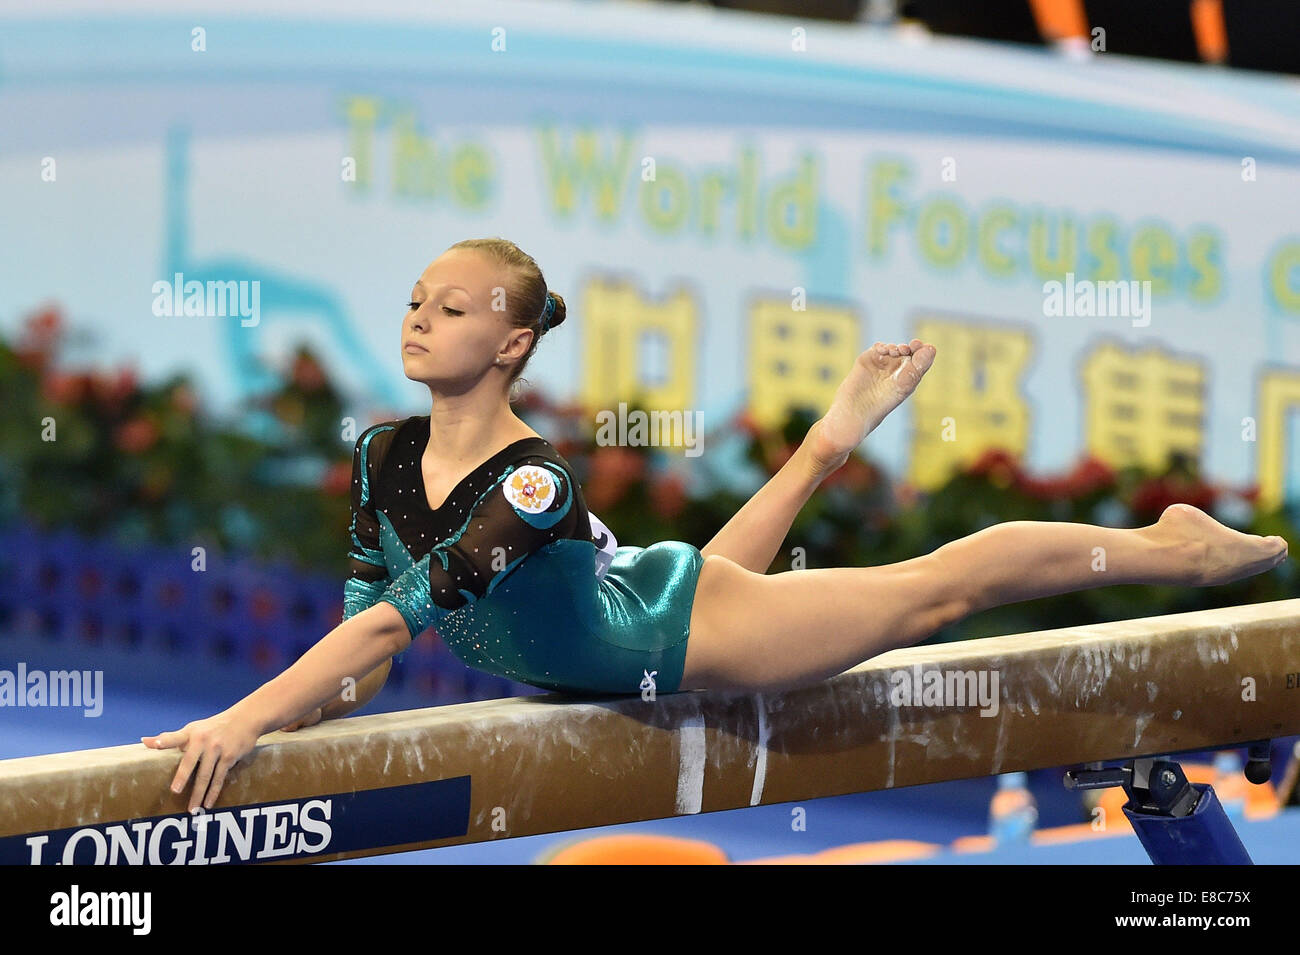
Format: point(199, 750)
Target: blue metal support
point(1177, 822)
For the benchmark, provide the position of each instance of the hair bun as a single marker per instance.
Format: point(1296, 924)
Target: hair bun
point(557, 316)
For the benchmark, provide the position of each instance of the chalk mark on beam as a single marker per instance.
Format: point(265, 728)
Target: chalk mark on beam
point(692, 754)
point(760, 751)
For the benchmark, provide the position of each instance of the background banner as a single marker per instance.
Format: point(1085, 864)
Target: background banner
point(1106, 253)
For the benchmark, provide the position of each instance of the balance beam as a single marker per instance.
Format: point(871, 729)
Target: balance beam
point(502, 768)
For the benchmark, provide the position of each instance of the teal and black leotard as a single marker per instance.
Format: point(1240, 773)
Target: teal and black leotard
point(507, 569)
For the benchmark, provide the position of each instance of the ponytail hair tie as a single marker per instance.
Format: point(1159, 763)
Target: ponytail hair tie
point(548, 311)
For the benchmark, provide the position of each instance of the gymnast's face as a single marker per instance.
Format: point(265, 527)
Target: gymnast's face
point(452, 335)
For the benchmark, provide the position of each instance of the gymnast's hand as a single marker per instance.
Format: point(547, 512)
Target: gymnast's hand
point(311, 719)
point(213, 746)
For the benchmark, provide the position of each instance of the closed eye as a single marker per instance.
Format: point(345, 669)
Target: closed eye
point(446, 308)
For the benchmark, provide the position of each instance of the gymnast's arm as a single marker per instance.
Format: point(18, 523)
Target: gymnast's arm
point(367, 579)
point(350, 654)
point(367, 689)
point(534, 507)
point(210, 747)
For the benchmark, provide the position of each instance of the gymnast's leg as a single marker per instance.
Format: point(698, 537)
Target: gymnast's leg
point(881, 377)
point(753, 631)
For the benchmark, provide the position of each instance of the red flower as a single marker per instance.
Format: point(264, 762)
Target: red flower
point(137, 435)
point(569, 448)
point(999, 465)
point(530, 401)
point(1043, 489)
point(668, 495)
point(1090, 474)
point(613, 469)
point(113, 390)
point(573, 410)
point(856, 474)
point(41, 334)
point(1151, 497)
point(1004, 469)
point(745, 422)
point(338, 478)
point(307, 372)
point(65, 388)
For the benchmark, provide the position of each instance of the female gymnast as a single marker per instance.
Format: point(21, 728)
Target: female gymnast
point(467, 520)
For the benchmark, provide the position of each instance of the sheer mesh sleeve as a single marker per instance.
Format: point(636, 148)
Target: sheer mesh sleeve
point(368, 574)
point(530, 505)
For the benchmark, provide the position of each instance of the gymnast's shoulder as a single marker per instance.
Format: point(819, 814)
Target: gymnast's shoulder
point(536, 459)
point(374, 441)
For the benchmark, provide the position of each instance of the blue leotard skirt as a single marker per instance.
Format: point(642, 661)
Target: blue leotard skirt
point(552, 623)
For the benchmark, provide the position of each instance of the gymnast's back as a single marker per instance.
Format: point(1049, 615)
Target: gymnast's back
point(509, 572)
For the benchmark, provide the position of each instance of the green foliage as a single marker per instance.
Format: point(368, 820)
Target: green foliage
point(110, 457)
point(142, 463)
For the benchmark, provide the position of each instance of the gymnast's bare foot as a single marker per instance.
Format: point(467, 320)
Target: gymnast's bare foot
point(1216, 554)
point(882, 376)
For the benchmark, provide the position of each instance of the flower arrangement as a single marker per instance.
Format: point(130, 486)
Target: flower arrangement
point(141, 462)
